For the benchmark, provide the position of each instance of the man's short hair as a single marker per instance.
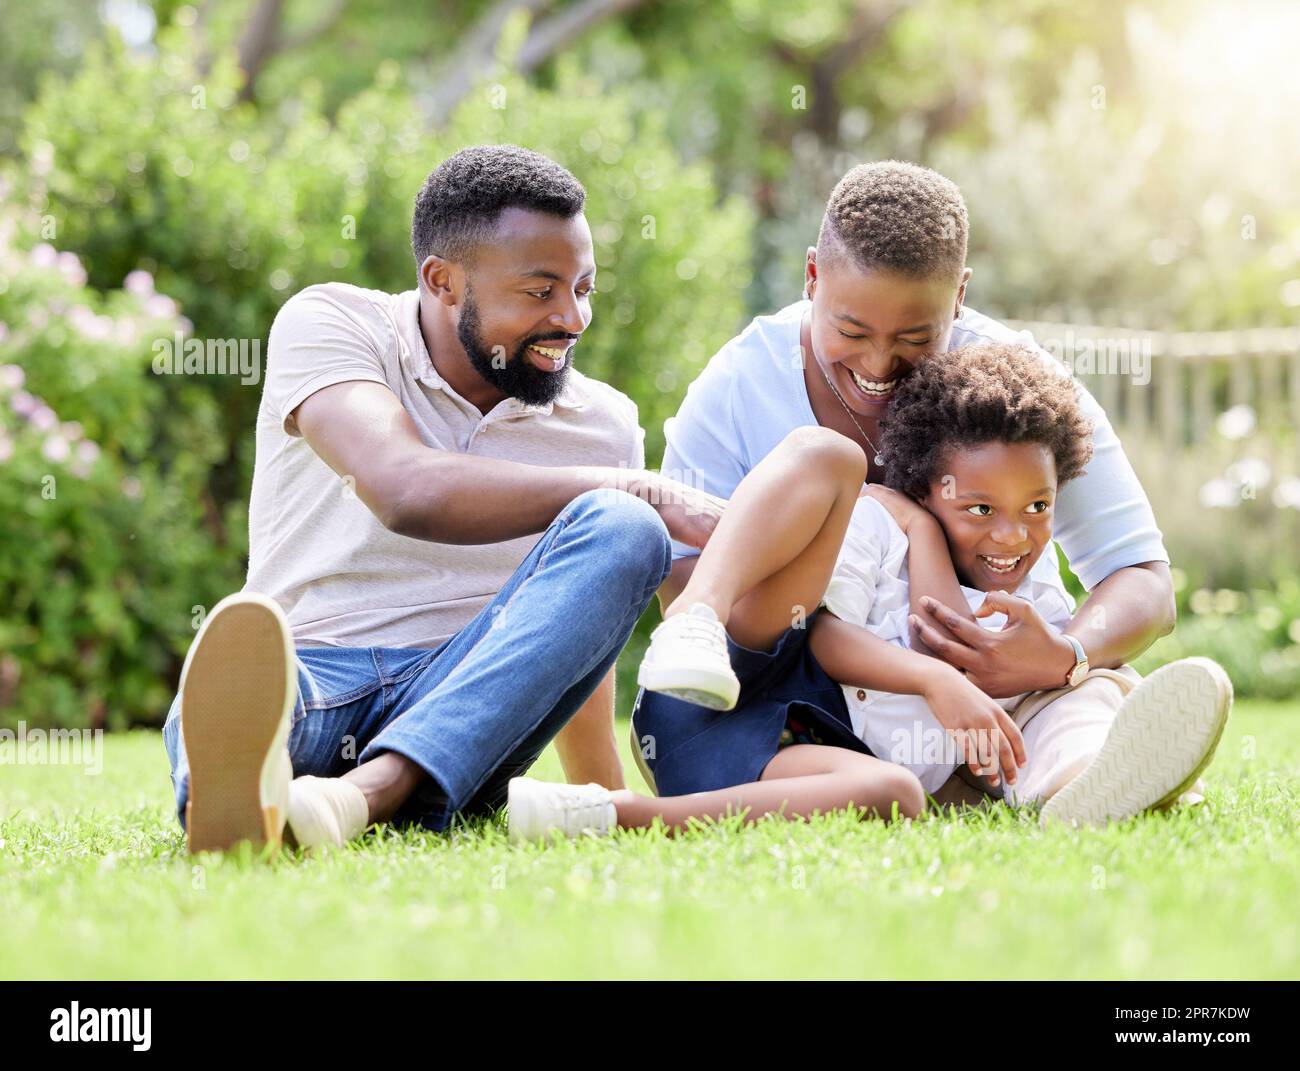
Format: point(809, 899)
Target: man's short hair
point(899, 217)
point(460, 201)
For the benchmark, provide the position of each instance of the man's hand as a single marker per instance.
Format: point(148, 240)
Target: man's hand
point(1025, 655)
point(689, 515)
point(983, 730)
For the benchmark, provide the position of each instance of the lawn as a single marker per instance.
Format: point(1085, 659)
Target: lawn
point(95, 883)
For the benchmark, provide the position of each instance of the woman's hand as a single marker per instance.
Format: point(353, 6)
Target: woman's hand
point(1025, 655)
point(984, 732)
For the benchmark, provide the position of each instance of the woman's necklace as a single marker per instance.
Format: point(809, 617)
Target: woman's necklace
point(874, 449)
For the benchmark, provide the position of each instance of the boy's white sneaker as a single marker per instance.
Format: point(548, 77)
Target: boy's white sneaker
point(326, 812)
point(538, 808)
point(1164, 734)
point(238, 688)
point(688, 660)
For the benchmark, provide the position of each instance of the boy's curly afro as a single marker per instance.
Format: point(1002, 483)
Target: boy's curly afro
point(984, 392)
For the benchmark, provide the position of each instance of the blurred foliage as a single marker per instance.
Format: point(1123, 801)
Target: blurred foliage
point(1254, 635)
point(109, 535)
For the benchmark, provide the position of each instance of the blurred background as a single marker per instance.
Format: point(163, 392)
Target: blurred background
point(1131, 167)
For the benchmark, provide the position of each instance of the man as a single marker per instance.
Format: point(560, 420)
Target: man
point(405, 643)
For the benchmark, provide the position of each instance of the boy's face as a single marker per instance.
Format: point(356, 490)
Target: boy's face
point(870, 328)
point(995, 501)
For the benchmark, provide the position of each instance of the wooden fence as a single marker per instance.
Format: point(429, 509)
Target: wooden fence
point(1174, 385)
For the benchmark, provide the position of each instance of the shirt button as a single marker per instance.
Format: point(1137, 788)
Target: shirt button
point(862, 693)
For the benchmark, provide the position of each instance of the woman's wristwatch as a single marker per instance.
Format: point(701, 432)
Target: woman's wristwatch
point(1080, 669)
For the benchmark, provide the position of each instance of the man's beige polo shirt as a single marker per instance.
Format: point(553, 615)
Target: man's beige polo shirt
point(341, 576)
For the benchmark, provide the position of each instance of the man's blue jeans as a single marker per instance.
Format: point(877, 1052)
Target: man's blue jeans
point(479, 709)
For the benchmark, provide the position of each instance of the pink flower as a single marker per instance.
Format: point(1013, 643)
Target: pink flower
point(71, 269)
point(43, 418)
point(11, 375)
point(72, 431)
point(139, 283)
point(44, 255)
point(6, 448)
point(24, 404)
point(161, 306)
point(87, 451)
point(56, 448)
point(96, 328)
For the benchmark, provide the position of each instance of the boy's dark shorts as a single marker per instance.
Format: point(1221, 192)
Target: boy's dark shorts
point(785, 698)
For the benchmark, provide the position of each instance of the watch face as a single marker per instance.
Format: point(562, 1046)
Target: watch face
point(1078, 673)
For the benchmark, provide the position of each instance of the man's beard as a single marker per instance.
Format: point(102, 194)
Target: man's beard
point(516, 378)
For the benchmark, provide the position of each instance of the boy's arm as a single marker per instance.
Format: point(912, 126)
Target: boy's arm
point(929, 566)
point(854, 655)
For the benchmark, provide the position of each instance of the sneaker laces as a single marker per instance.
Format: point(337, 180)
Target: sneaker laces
point(696, 628)
point(582, 808)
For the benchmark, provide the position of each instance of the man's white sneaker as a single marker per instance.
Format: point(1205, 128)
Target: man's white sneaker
point(326, 812)
point(539, 808)
point(1164, 734)
point(238, 688)
point(687, 659)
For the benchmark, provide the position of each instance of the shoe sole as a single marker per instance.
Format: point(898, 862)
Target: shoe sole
point(1164, 735)
point(700, 687)
point(237, 691)
point(517, 805)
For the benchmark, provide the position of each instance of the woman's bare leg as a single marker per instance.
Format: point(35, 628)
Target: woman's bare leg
point(773, 551)
point(799, 781)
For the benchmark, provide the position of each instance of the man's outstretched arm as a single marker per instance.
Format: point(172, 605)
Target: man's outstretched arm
point(363, 433)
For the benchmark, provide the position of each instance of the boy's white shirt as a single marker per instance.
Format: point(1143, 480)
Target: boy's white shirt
point(869, 588)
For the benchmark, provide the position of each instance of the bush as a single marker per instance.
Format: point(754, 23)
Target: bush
point(108, 536)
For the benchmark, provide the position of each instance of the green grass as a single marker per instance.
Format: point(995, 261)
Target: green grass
point(95, 883)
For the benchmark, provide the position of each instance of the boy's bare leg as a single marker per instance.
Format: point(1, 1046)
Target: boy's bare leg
point(800, 780)
point(775, 547)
